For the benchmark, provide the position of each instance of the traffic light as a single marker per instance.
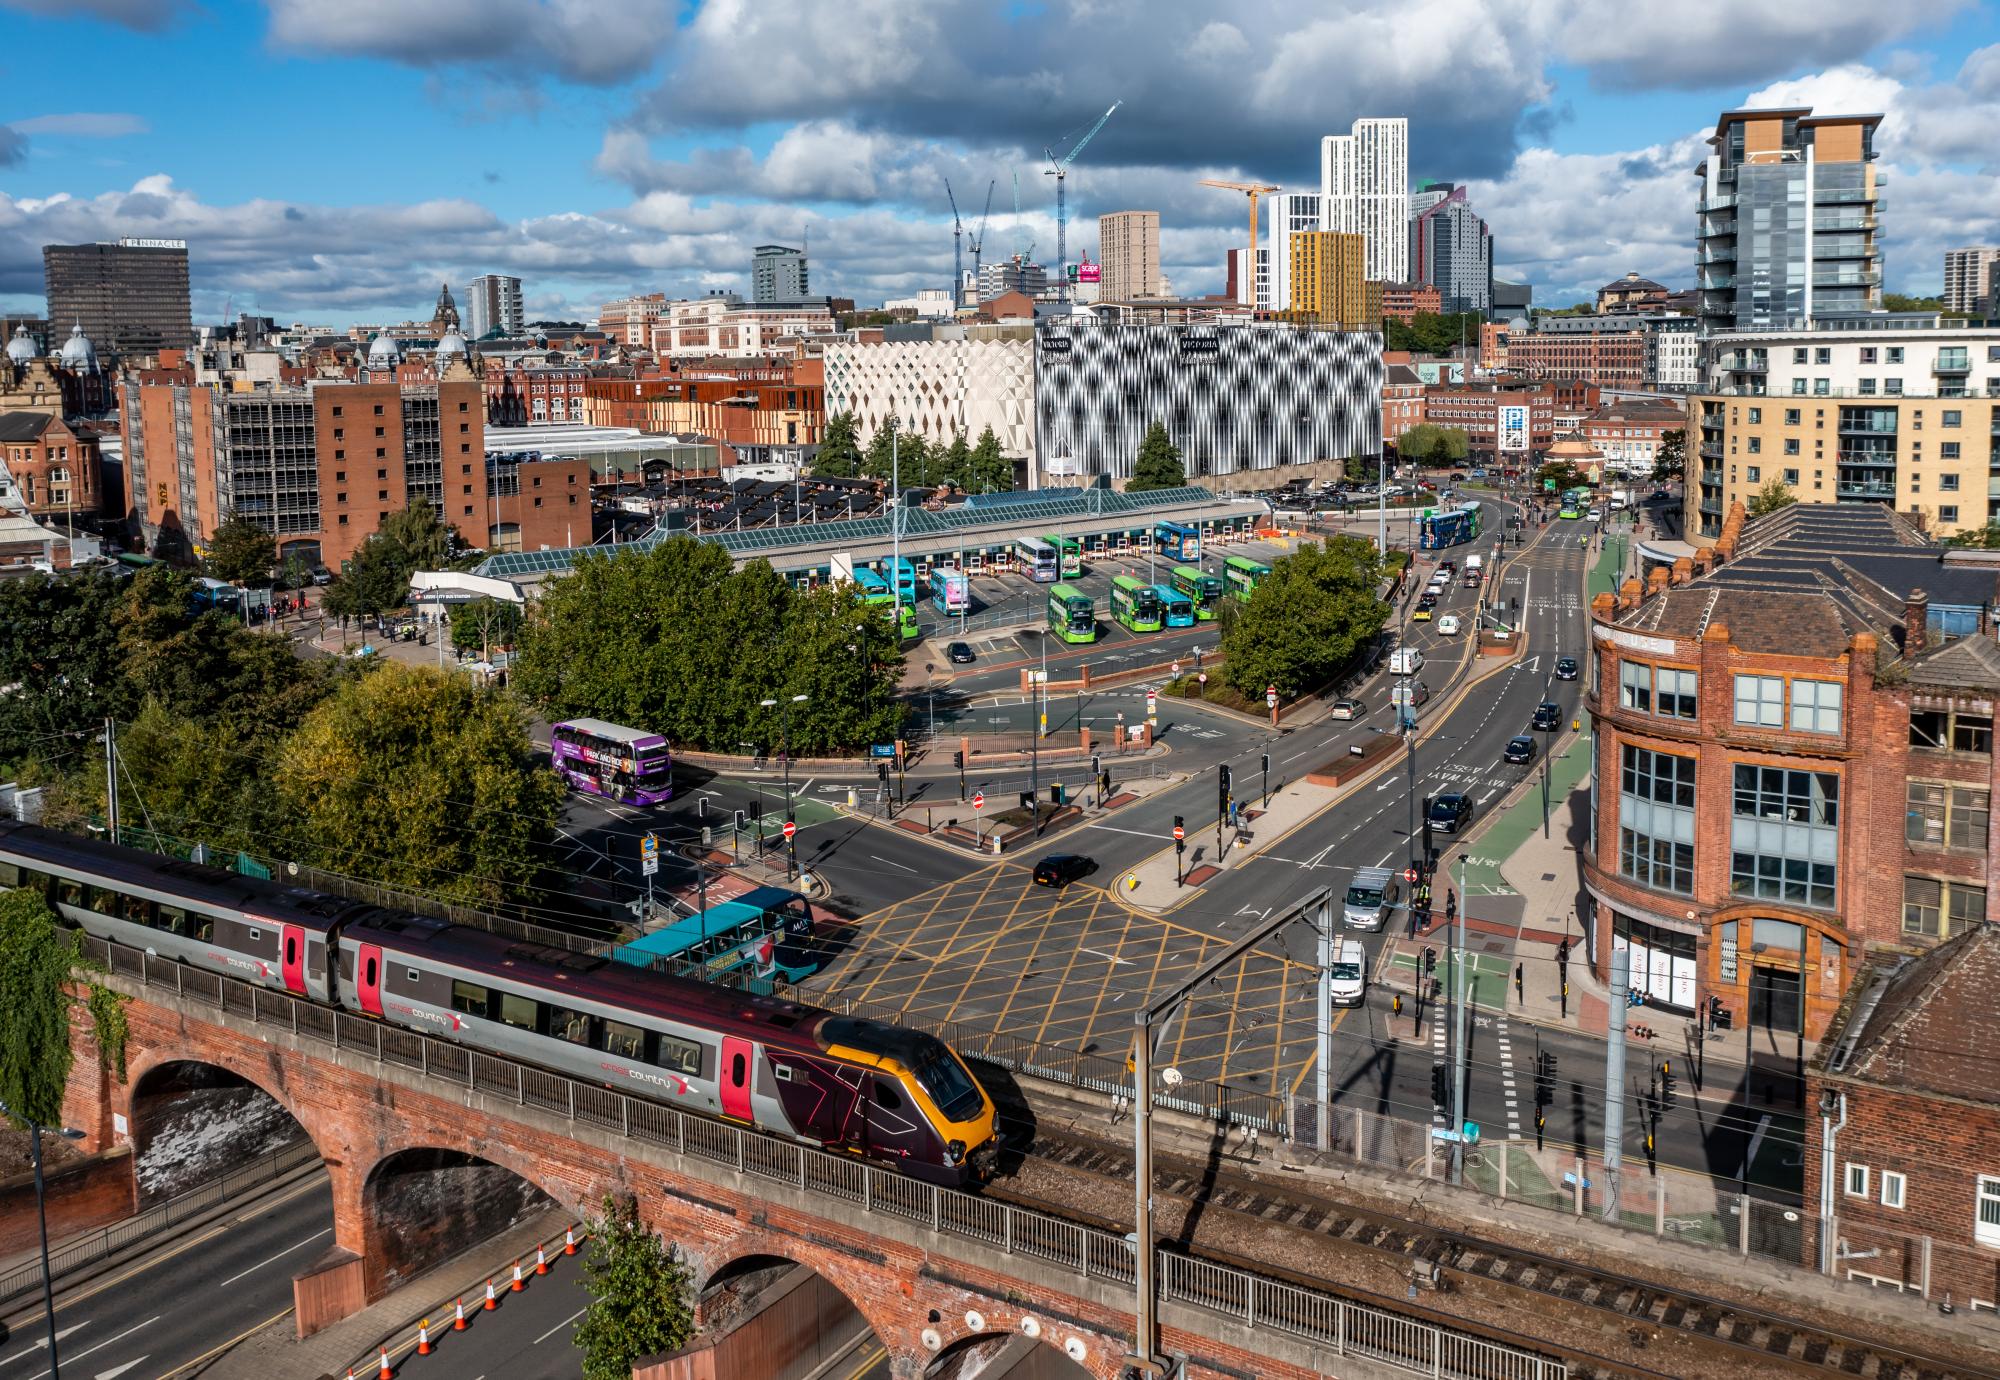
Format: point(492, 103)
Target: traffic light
point(1430, 959)
point(1439, 1090)
point(958, 760)
point(1222, 788)
point(737, 822)
point(1545, 1078)
point(1425, 810)
point(1267, 764)
point(882, 772)
point(1666, 1085)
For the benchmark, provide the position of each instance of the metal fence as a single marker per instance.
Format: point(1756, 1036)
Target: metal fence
point(94, 1246)
point(1346, 1327)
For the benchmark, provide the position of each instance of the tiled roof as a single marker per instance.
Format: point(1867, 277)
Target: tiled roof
point(1926, 1024)
point(23, 426)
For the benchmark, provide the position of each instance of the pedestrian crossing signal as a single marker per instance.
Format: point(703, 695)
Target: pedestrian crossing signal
point(1438, 1087)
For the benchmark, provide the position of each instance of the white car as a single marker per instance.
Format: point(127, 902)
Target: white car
point(1448, 625)
point(1594, 515)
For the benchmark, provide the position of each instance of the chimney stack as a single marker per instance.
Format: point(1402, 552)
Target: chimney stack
point(1916, 622)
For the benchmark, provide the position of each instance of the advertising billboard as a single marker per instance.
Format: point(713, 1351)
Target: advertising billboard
point(1088, 273)
point(1512, 429)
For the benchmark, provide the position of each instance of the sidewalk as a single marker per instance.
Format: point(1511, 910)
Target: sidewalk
point(1151, 885)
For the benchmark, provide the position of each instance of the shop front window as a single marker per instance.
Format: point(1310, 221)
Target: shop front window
point(1660, 961)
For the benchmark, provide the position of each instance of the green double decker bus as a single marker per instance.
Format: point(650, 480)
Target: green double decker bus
point(1203, 591)
point(1135, 605)
point(1072, 615)
point(1069, 555)
point(1243, 575)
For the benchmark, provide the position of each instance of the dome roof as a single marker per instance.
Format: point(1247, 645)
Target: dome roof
point(21, 349)
point(450, 343)
point(382, 350)
point(77, 351)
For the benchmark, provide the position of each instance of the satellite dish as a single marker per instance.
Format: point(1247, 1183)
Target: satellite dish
point(1171, 1077)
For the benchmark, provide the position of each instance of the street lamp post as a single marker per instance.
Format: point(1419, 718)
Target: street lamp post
point(42, 1214)
point(784, 709)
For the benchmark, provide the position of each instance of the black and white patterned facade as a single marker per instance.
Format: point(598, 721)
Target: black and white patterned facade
point(1234, 398)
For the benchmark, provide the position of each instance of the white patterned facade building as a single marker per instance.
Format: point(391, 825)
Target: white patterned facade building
point(1365, 191)
point(939, 388)
point(1234, 398)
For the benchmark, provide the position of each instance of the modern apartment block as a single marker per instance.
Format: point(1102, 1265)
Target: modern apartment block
point(1365, 190)
point(1787, 223)
point(1451, 249)
point(1128, 251)
point(130, 298)
point(1289, 214)
point(1968, 279)
point(1328, 286)
point(778, 274)
point(493, 302)
point(1897, 410)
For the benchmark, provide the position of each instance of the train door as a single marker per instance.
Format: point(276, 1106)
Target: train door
point(368, 978)
point(292, 957)
point(735, 1080)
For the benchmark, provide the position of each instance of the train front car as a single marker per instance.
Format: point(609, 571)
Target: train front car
point(924, 1110)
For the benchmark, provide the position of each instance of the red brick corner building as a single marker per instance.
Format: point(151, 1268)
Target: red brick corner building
point(1794, 763)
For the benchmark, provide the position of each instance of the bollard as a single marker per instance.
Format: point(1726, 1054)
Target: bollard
point(541, 1262)
point(491, 1302)
point(569, 1240)
point(424, 1337)
point(387, 1373)
point(516, 1287)
point(458, 1317)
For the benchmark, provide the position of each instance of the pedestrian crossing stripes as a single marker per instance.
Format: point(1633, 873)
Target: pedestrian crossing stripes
point(1438, 1053)
point(1506, 1048)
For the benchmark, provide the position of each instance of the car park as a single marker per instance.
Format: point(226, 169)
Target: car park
point(1060, 869)
point(1520, 749)
point(1548, 716)
point(1565, 668)
point(1347, 709)
point(1451, 812)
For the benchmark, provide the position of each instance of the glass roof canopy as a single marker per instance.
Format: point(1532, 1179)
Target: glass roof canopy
point(1083, 509)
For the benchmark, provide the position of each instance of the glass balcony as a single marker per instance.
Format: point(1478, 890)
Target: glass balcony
point(1951, 364)
point(1866, 493)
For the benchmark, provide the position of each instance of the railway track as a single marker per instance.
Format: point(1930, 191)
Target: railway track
point(1779, 1345)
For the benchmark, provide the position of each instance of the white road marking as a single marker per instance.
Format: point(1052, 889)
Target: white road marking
point(557, 1328)
point(279, 1256)
point(880, 859)
point(101, 1345)
point(117, 1371)
point(42, 1343)
point(1113, 959)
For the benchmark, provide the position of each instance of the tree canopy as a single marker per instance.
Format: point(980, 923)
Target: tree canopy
point(1985, 538)
point(1299, 627)
point(1158, 465)
point(1769, 499)
point(1670, 460)
point(1432, 333)
point(1429, 444)
point(673, 639)
point(241, 552)
point(378, 578)
point(482, 624)
point(1559, 476)
point(641, 1295)
point(992, 471)
point(839, 455)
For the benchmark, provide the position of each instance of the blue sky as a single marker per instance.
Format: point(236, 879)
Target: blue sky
point(332, 160)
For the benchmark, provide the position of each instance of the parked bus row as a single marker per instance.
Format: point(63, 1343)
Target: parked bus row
point(1189, 597)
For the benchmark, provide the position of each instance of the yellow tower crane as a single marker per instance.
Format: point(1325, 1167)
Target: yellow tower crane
point(1253, 190)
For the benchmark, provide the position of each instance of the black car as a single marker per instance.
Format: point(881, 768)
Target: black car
point(1060, 869)
point(959, 653)
point(1451, 812)
point(1548, 716)
point(1521, 749)
point(1565, 668)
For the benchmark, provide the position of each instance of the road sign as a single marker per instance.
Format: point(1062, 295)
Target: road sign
point(1177, 668)
point(649, 854)
point(790, 828)
point(979, 800)
point(881, 749)
point(1409, 874)
point(1271, 696)
point(1180, 832)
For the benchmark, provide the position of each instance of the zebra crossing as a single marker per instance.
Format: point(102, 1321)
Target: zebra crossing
point(1505, 1045)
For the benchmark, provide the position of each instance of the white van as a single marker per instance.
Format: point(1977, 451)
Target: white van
point(1474, 562)
point(1347, 978)
point(1405, 661)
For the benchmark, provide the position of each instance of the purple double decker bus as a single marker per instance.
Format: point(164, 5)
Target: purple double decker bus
point(606, 759)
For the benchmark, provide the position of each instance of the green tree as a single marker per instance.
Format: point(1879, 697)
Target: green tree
point(641, 1295)
point(954, 464)
point(1158, 465)
point(39, 963)
point(884, 449)
point(839, 455)
point(241, 552)
point(1773, 496)
point(378, 577)
point(1429, 444)
point(1985, 538)
point(421, 780)
point(992, 472)
point(843, 656)
point(195, 783)
point(1429, 333)
point(1670, 460)
point(1304, 623)
point(1559, 473)
point(60, 654)
point(477, 626)
point(1897, 301)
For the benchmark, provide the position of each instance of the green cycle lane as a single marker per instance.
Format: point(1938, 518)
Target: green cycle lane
point(1484, 976)
point(1483, 859)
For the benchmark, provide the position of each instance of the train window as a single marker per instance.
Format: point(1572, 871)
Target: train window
point(468, 997)
point(736, 1069)
point(887, 1096)
point(137, 909)
point(518, 1012)
point(413, 975)
point(682, 1056)
point(173, 918)
point(368, 972)
point(626, 1041)
point(572, 1026)
point(784, 1074)
point(35, 881)
point(69, 893)
point(198, 927)
point(10, 874)
point(101, 899)
point(291, 949)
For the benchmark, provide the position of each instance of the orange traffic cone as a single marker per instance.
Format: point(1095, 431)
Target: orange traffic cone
point(491, 1302)
point(517, 1286)
point(387, 1373)
point(458, 1318)
point(424, 1337)
point(541, 1262)
point(569, 1240)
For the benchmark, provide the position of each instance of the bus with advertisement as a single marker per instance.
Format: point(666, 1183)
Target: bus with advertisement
point(906, 578)
point(1072, 614)
point(754, 941)
point(1177, 541)
point(1176, 609)
point(1135, 604)
point(1203, 591)
point(951, 592)
point(1242, 575)
point(619, 763)
point(1072, 554)
point(1038, 560)
point(1449, 527)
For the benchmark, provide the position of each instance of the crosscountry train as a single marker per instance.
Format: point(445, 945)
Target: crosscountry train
point(842, 1083)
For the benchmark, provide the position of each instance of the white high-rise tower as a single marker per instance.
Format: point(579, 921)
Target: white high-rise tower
point(1365, 190)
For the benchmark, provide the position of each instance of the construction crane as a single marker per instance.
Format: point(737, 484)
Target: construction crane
point(1253, 190)
point(1059, 169)
point(979, 236)
point(957, 248)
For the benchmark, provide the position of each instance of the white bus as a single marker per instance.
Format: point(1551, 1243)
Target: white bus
point(1038, 559)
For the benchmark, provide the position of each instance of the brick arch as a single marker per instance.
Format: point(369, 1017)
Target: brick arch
point(266, 1075)
point(715, 1260)
point(530, 1169)
point(1047, 1339)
